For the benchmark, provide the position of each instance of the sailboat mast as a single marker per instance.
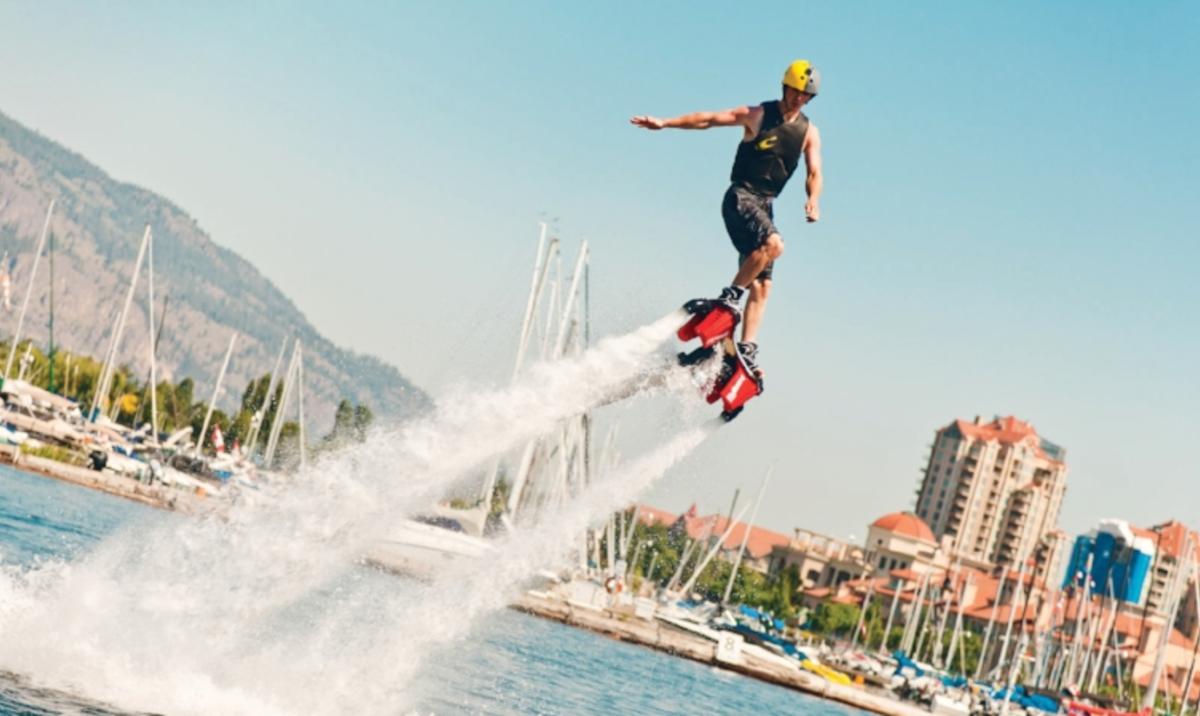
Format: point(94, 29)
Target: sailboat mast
point(12, 350)
point(106, 373)
point(541, 266)
point(252, 442)
point(712, 552)
point(216, 393)
point(586, 478)
point(1186, 564)
point(737, 562)
point(153, 341)
point(300, 397)
point(567, 314)
point(50, 349)
point(280, 410)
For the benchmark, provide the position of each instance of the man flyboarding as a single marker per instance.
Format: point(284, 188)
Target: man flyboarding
point(775, 135)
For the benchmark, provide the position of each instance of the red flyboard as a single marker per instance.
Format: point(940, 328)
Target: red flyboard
point(736, 390)
point(709, 327)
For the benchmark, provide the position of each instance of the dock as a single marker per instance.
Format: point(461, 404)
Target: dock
point(745, 659)
point(113, 484)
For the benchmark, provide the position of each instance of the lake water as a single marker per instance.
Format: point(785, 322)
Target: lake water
point(501, 662)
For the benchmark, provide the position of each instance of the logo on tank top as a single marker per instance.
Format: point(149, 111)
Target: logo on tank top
point(766, 143)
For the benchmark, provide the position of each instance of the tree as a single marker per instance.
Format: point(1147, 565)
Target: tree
point(181, 403)
point(833, 619)
point(350, 423)
point(363, 417)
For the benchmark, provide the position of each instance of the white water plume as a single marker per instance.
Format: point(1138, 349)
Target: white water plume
point(262, 608)
point(445, 611)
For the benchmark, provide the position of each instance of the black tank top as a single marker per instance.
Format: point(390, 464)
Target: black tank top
point(764, 164)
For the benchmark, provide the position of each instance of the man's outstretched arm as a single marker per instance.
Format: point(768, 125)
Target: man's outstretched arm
point(738, 116)
point(814, 182)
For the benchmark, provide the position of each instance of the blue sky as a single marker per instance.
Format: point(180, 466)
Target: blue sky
point(1008, 224)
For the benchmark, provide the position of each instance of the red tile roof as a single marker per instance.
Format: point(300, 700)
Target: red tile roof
point(1143, 532)
point(1171, 537)
point(760, 544)
point(1025, 613)
point(1007, 430)
point(650, 516)
point(907, 524)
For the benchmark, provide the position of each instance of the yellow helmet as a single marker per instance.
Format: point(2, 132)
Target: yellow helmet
point(802, 76)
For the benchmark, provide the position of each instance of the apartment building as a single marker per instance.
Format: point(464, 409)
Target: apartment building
point(992, 491)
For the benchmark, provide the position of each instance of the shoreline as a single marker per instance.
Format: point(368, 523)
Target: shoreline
point(660, 637)
point(749, 661)
point(109, 483)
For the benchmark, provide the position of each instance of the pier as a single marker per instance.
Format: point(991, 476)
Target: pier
point(748, 660)
point(104, 481)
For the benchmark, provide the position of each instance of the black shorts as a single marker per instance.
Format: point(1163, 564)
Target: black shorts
point(750, 220)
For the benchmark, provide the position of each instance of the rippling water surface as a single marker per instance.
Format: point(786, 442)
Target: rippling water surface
point(507, 663)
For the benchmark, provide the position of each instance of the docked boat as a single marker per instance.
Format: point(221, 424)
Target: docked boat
point(419, 550)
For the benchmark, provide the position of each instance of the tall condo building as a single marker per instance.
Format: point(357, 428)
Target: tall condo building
point(992, 493)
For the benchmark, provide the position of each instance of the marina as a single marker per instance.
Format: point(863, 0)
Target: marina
point(519, 664)
point(736, 656)
point(408, 359)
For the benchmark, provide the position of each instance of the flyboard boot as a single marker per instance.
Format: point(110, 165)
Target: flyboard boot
point(713, 322)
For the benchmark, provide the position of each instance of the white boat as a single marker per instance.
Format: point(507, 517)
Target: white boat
point(945, 705)
point(419, 550)
point(693, 621)
point(12, 436)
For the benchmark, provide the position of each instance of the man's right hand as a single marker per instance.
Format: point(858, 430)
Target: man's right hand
point(647, 122)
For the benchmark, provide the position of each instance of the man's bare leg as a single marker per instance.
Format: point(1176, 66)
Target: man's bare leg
point(757, 260)
point(760, 290)
point(756, 305)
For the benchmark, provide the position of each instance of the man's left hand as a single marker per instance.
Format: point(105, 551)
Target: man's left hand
point(812, 212)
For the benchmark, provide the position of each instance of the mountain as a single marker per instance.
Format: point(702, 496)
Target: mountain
point(97, 226)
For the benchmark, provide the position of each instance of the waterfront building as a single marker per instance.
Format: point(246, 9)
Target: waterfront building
point(1137, 573)
point(1115, 559)
point(995, 491)
point(1170, 540)
point(896, 541)
point(1136, 566)
point(1049, 556)
point(820, 560)
point(901, 540)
